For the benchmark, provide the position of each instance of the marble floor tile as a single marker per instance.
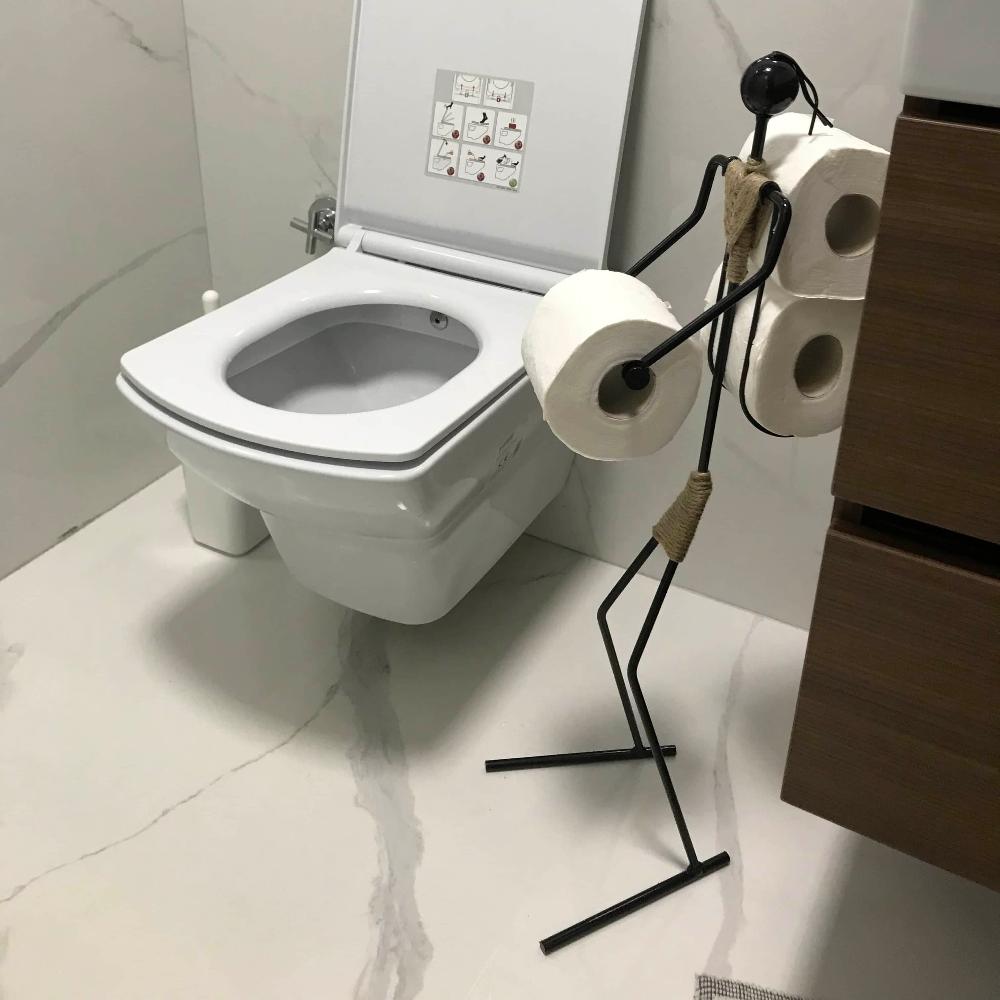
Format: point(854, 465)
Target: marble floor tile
point(215, 784)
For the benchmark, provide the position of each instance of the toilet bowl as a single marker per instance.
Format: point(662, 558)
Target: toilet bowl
point(377, 415)
point(372, 404)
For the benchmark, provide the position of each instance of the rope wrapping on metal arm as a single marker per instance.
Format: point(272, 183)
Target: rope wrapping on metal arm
point(744, 211)
point(676, 528)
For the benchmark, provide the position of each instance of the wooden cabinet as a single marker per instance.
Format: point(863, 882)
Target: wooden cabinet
point(897, 727)
point(922, 433)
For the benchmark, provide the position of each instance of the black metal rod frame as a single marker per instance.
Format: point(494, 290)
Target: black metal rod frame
point(724, 307)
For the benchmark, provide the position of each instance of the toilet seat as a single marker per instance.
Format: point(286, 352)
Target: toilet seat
point(185, 372)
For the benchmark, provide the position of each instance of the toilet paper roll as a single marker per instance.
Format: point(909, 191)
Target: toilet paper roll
point(581, 333)
point(834, 182)
point(800, 362)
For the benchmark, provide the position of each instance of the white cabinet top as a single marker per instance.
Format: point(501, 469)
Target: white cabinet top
point(952, 51)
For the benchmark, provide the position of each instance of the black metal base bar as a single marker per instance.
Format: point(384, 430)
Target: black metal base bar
point(593, 923)
point(583, 757)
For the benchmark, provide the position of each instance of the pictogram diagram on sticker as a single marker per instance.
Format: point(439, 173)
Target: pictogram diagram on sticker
point(467, 87)
point(500, 92)
point(510, 130)
point(479, 125)
point(448, 119)
point(444, 158)
point(479, 129)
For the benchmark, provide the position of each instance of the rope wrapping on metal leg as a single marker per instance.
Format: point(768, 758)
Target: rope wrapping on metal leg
point(743, 211)
point(675, 529)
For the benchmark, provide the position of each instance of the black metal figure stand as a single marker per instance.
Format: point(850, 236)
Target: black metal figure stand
point(768, 86)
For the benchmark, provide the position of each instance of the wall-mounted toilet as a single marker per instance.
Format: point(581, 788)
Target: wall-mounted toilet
point(372, 405)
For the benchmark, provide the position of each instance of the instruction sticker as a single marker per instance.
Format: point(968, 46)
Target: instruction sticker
point(479, 129)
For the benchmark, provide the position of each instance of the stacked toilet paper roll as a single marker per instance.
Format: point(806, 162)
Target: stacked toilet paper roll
point(579, 336)
point(798, 368)
point(834, 182)
point(796, 373)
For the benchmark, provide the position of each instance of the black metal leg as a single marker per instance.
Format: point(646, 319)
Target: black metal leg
point(696, 869)
point(637, 751)
point(576, 757)
point(609, 647)
point(647, 720)
point(596, 921)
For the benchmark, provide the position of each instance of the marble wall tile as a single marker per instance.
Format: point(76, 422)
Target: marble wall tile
point(268, 86)
point(103, 247)
point(268, 90)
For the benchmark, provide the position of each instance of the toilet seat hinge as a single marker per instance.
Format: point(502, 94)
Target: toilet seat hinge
point(450, 260)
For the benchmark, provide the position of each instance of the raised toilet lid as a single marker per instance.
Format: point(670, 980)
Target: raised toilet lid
point(524, 102)
point(185, 371)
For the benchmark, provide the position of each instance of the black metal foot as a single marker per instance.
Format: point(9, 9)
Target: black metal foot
point(584, 757)
point(693, 873)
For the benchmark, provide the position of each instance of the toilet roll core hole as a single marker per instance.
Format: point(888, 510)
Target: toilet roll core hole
point(616, 399)
point(818, 366)
point(852, 224)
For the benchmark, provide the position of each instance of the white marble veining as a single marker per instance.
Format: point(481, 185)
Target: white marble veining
point(214, 784)
point(103, 246)
point(269, 87)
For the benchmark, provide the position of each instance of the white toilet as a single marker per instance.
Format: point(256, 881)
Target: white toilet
point(372, 404)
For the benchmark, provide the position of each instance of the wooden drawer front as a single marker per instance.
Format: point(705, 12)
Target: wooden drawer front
point(897, 729)
point(921, 434)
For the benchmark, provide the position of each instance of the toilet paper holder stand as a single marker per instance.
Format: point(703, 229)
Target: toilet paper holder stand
point(768, 86)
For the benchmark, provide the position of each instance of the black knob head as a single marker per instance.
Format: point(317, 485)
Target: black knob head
point(635, 375)
point(769, 85)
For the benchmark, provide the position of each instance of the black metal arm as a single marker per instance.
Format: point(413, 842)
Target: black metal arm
point(636, 373)
point(715, 164)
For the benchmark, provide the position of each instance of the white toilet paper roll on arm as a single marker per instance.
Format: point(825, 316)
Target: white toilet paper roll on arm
point(800, 362)
point(834, 182)
point(581, 333)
